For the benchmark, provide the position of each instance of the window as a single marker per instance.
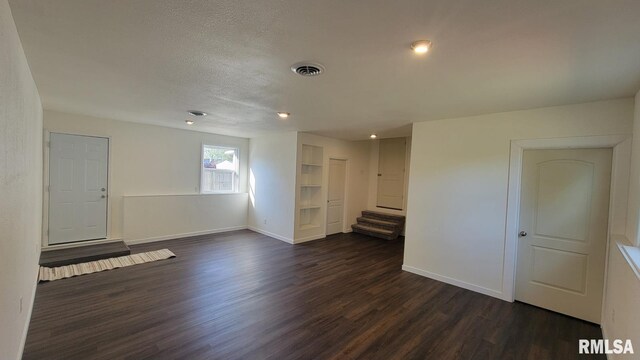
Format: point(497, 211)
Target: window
point(220, 169)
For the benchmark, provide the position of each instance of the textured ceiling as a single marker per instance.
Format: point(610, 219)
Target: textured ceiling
point(151, 60)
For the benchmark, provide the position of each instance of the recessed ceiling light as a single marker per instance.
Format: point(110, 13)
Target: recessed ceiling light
point(373, 136)
point(283, 115)
point(190, 122)
point(197, 113)
point(421, 46)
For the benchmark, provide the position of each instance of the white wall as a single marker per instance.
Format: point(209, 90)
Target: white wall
point(155, 160)
point(161, 217)
point(373, 178)
point(621, 315)
point(272, 184)
point(20, 188)
point(634, 179)
point(357, 154)
point(456, 214)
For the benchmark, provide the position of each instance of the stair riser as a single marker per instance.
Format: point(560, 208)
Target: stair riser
point(378, 235)
point(81, 254)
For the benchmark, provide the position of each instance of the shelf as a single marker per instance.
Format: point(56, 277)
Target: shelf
point(310, 207)
point(309, 215)
point(311, 155)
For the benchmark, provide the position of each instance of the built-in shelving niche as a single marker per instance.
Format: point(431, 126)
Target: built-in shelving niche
point(309, 197)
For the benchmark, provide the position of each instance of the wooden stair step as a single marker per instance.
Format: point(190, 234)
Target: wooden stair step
point(373, 229)
point(389, 225)
point(383, 216)
point(80, 254)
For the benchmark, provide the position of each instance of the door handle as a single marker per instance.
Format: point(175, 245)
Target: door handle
point(522, 233)
point(103, 189)
point(103, 196)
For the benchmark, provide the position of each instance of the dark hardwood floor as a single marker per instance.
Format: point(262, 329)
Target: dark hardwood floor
point(242, 295)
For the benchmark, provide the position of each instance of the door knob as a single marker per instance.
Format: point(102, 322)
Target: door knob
point(103, 196)
point(103, 189)
point(522, 233)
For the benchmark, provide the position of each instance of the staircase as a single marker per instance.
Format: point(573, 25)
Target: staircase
point(382, 225)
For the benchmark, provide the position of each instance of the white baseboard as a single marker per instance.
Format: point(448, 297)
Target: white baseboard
point(270, 234)
point(23, 341)
point(286, 239)
point(177, 236)
point(455, 282)
point(309, 238)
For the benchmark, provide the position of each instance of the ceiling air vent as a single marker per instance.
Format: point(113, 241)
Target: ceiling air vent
point(197, 113)
point(307, 69)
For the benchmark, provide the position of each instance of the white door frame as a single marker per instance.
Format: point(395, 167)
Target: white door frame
point(405, 177)
point(45, 193)
point(621, 145)
point(345, 196)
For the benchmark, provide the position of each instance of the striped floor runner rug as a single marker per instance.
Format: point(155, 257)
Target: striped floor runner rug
point(62, 272)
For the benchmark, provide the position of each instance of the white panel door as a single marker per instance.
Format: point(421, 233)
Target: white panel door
point(391, 162)
point(335, 200)
point(77, 188)
point(563, 230)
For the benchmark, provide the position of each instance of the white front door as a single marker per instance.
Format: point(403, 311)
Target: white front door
point(391, 167)
point(563, 230)
point(77, 188)
point(335, 200)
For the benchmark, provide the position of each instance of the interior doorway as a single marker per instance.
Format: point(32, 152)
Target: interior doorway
point(563, 227)
point(78, 188)
point(391, 173)
point(336, 196)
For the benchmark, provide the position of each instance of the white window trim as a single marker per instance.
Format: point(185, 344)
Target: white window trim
point(632, 255)
point(237, 149)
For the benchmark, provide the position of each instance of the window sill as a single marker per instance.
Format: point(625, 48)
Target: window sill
point(632, 255)
point(223, 193)
point(194, 194)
